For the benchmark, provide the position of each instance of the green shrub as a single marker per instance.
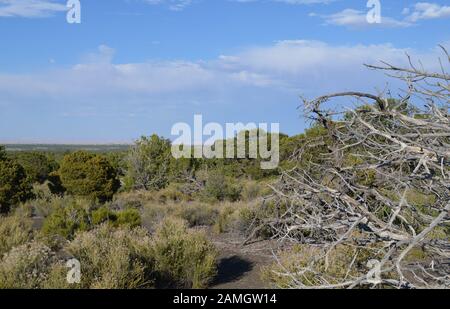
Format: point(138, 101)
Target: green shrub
point(216, 186)
point(219, 188)
point(114, 258)
point(66, 220)
point(224, 219)
point(198, 214)
point(154, 213)
point(26, 266)
point(88, 175)
point(37, 165)
point(15, 230)
point(3, 154)
point(15, 186)
point(148, 164)
point(129, 200)
point(128, 217)
point(244, 220)
point(171, 194)
point(235, 217)
point(102, 215)
point(233, 193)
point(182, 256)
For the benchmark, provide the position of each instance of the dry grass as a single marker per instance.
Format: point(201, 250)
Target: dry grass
point(15, 230)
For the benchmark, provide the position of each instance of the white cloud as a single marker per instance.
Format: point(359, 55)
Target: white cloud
point(30, 8)
point(292, 66)
point(358, 19)
point(426, 10)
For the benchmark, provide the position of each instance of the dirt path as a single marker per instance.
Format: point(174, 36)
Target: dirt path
point(239, 267)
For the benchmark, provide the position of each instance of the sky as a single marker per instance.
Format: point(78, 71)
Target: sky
point(137, 67)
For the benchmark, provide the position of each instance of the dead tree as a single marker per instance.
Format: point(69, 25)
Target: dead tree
point(383, 188)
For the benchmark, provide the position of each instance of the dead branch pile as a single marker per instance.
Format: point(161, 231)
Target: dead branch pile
point(383, 186)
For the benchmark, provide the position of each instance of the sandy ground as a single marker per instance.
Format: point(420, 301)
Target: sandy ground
point(239, 266)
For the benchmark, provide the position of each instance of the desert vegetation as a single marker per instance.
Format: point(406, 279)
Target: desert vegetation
point(359, 200)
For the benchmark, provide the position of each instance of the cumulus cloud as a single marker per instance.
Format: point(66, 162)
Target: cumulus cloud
point(358, 19)
point(426, 10)
point(285, 65)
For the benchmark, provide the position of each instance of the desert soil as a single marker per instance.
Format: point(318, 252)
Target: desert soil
point(240, 266)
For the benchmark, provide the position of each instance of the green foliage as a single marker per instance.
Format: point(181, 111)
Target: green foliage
point(312, 145)
point(88, 175)
point(37, 165)
point(183, 256)
point(15, 186)
point(219, 188)
point(148, 164)
point(180, 168)
point(69, 215)
point(173, 193)
point(72, 216)
point(3, 155)
point(223, 221)
point(103, 215)
point(128, 217)
point(117, 161)
point(236, 217)
point(197, 214)
point(114, 258)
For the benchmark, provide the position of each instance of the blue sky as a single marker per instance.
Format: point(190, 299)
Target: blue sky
point(136, 67)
